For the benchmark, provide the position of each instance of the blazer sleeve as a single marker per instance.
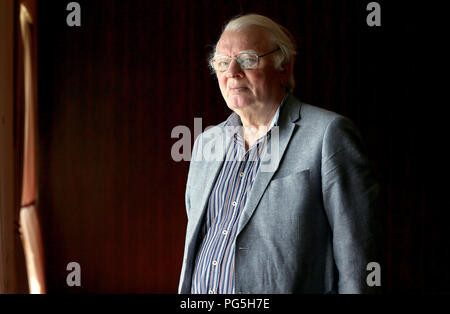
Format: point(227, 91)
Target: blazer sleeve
point(196, 156)
point(350, 196)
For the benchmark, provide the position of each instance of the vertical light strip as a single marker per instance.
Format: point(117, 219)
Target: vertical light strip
point(28, 182)
point(29, 222)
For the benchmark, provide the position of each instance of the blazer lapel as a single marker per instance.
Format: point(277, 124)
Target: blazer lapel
point(288, 115)
point(210, 172)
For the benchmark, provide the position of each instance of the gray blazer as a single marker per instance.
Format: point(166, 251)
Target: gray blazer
point(309, 226)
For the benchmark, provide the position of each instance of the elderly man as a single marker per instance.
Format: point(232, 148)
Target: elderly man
point(307, 224)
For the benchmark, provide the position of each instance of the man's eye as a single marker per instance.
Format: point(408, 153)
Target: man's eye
point(248, 60)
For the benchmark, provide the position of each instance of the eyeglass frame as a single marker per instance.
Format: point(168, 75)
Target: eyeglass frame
point(237, 60)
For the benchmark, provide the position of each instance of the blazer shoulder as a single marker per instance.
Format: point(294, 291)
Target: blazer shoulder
point(317, 115)
point(212, 134)
point(209, 131)
point(328, 123)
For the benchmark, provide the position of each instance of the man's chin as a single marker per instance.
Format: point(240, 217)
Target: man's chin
point(238, 102)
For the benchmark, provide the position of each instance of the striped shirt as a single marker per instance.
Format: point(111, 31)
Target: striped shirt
point(214, 265)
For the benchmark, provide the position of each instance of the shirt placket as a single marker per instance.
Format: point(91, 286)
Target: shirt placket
point(216, 265)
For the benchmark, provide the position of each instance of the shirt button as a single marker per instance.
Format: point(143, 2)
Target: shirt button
point(214, 263)
point(224, 232)
point(234, 203)
point(241, 174)
point(211, 292)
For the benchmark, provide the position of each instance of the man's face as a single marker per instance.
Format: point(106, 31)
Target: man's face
point(251, 89)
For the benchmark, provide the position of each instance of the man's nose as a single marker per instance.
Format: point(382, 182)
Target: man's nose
point(234, 69)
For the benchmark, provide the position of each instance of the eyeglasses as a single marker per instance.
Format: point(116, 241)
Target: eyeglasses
point(246, 60)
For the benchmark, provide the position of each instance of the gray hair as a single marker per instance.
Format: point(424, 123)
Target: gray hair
point(279, 35)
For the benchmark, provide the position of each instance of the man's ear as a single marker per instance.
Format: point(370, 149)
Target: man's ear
point(285, 72)
point(289, 68)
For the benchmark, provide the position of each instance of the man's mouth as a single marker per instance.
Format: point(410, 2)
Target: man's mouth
point(238, 89)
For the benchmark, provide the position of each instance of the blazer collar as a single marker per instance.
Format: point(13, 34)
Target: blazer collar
point(290, 111)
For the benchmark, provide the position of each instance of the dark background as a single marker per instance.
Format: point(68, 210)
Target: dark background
point(111, 91)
